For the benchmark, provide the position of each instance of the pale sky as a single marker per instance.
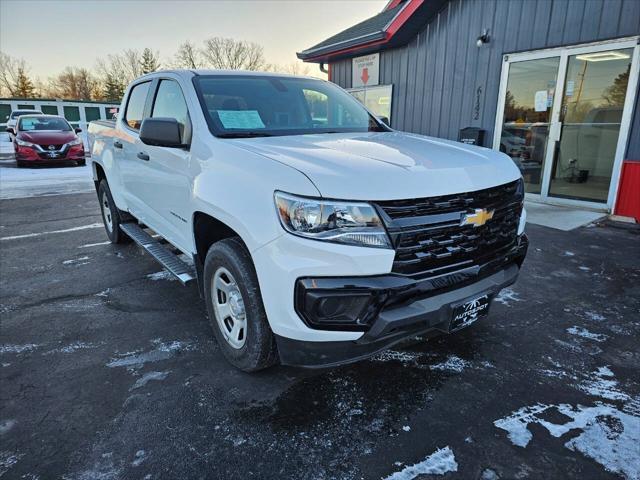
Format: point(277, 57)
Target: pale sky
point(51, 34)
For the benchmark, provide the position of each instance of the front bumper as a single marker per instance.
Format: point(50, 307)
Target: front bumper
point(398, 308)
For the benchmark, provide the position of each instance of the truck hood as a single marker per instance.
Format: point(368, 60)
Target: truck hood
point(386, 166)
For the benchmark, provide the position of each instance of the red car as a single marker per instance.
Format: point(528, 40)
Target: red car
point(47, 139)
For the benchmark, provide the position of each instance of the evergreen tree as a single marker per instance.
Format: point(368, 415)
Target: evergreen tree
point(23, 87)
point(149, 62)
point(113, 89)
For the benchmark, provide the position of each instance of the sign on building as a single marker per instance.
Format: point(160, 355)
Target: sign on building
point(366, 71)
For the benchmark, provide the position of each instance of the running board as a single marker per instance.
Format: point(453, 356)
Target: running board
point(169, 260)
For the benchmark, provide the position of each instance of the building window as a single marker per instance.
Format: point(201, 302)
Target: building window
point(26, 107)
point(49, 109)
point(376, 99)
point(72, 113)
point(5, 111)
point(92, 113)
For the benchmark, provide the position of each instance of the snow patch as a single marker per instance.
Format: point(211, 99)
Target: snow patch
point(593, 316)
point(6, 425)
point(584, 269)
point(602, 384)
point(406, 428)
point(139, 458)
point(76, 260)
point(8, 460)
point(567, 253)
point(608, 436)
point(506, 296)
point(163, 351)
point(162, 275)
point(452, 364)
point(394, 355)
point(147, 377)
point(18, 348)
point(584, 333)
point(438, 463)
point(72, 347)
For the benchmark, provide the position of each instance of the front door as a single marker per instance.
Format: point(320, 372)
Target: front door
point(564, 118)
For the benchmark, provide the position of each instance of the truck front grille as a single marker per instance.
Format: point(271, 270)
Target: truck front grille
point(428, 236)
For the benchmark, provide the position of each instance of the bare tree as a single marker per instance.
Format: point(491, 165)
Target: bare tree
point(9, 72)
point(230, 54)
point(293, 68)
point(73, 84)
point(187, 56)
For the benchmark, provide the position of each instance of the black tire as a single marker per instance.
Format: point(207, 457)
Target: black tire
point(112, 224)
point(259, 350)
point(20, 164)
point(81, 163)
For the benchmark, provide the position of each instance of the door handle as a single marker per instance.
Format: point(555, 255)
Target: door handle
point(117, 144)
point(143, 156)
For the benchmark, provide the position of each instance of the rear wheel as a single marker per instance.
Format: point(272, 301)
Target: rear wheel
point(81, 163)
point(235, 308)
point(111, 216)
point(20, 164)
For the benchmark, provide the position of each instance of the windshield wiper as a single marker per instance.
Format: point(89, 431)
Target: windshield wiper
point(244, 135)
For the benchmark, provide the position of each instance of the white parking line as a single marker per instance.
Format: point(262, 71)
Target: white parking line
point(74, 229)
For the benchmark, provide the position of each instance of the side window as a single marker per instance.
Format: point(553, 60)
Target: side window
point(170, 103)
point(135, 105)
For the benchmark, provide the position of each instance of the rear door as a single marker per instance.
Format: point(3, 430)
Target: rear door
point(164, 183)
point(131, 167)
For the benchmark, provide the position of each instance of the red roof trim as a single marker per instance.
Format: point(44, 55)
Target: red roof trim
point(391, 29)
point(402, 17)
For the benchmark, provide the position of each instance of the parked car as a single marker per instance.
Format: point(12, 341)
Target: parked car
point(47, 139)
point(7, 150)
point(12, 118)
point(312, 244)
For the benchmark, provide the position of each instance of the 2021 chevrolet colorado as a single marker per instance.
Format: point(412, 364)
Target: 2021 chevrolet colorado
point(318, 234)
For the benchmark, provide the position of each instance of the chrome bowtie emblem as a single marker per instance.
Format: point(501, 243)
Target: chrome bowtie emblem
point(478, 218)
point(51, 147)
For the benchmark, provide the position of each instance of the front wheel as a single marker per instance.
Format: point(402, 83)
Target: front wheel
point(111, 216)
point(235, 309)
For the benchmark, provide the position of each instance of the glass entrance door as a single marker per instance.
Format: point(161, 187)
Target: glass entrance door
point(564, 117)
point(528, 104)
point(593, 99)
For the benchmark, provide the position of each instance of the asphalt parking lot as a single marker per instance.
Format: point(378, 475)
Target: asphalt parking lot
point(108, 370)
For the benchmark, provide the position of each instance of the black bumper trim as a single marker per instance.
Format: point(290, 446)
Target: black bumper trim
point(410, 308)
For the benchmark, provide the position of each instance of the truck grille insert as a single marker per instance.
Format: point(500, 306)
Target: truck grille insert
point(429, 239)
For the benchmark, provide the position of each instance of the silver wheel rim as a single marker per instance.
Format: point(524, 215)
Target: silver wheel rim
point(106, 212)
point(228, 307)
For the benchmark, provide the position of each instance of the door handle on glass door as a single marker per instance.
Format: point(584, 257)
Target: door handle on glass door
point(143, 156)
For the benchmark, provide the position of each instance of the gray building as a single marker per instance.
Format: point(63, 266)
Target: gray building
point(552, 83)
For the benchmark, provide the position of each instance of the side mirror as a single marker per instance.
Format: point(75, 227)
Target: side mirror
point(384, 120)
point(77, 130)
point(161, 132)
point(9, 129)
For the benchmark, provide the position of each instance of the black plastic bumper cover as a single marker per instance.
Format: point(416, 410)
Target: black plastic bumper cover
point(403, 308)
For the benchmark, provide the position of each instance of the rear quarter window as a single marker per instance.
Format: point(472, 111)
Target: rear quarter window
point(133, 115)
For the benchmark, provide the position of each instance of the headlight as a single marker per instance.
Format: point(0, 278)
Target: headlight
point(22, 143)
point(77, 141)
point(351, 223)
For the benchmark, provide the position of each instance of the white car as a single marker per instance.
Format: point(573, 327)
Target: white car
point(7, 150)
point(314, 241)
point(12, 119)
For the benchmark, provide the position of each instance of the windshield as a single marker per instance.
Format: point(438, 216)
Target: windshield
point(27, 124)
point(244, 106)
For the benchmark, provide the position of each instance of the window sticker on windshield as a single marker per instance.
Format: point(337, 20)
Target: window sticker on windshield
point(240, 119)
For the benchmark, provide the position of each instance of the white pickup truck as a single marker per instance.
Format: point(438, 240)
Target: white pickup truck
point(317, 234)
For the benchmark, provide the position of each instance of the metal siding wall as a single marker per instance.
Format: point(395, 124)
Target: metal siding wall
point(437, 75)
